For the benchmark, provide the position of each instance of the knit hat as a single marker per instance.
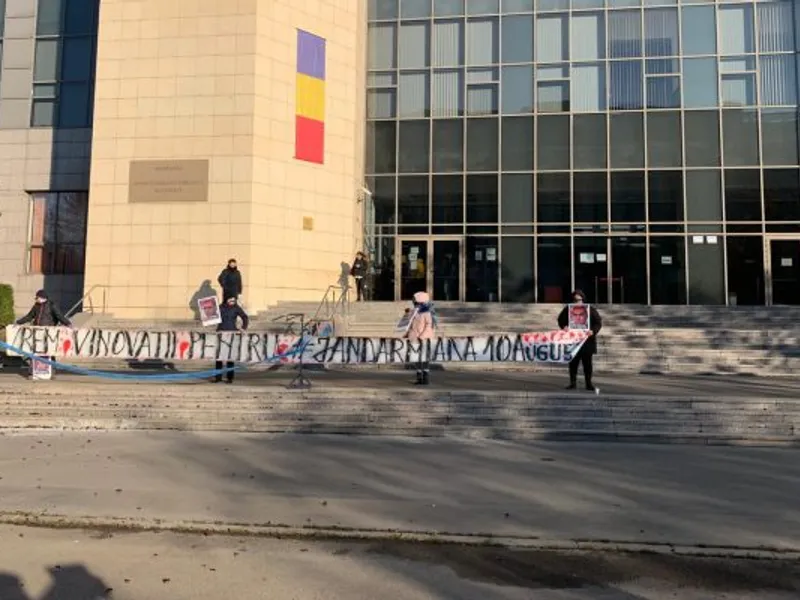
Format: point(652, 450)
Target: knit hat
point(422, 298)
point(41, 294)
point(580, 294)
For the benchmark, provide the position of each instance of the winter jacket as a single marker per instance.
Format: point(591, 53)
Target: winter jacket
point(359, 268)
point(595, 324)
point(230, 316)
point(421, 327)
point(45, 315)
point(231, 282)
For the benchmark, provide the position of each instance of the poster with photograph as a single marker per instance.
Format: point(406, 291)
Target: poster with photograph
point(40, 370)
point(579, 317)
point(209, 311)
point(405, 321)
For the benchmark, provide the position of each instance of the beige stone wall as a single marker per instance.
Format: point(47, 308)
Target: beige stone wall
point(289, 262)
point(215, 79)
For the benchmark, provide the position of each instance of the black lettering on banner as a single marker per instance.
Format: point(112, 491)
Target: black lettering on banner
point(52, 336)
point(382, 355)
point(367, 350)
point(40, 341)
point(397, 350)
point(453, 350)
point(556, 352)
point(503, 352)
point(121, 343)
point(224, 346)
point(353, 349)
point(540, 352)
point(253, 345)
point(489, 348)
point(321, 355)
point(335, 348)
point(142, 341)
point(519, 349)
point(103, 342)
point(79, 339)
point(24, 340)
point(197, 345)
point(440, 350)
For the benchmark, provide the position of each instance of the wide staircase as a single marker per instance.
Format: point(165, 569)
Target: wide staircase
point(638, 339)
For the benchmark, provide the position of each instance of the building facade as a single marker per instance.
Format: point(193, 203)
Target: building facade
point(645, 151)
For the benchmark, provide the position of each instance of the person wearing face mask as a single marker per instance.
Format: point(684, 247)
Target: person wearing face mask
point(230, 313)
point(231, 281)
point(44, 313)
point(589, 348)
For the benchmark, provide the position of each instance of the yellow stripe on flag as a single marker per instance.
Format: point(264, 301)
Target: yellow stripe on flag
point(310, 97)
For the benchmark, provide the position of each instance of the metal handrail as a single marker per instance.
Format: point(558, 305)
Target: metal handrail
point(88, 296)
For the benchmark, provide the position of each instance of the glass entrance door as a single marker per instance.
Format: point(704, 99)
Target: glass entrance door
point(785, 271)
point(434, 265)
point(413, 267)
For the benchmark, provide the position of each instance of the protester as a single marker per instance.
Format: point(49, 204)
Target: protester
point(421, 328)
point(589, 348)
point(230, 313)
point(44, 313)
point(359, 272)
point(230, 279)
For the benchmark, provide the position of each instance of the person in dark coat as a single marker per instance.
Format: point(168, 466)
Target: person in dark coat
point(230, 313)
point(359, 272)
point(589, 348)
point(44, 313)
point(230, 279)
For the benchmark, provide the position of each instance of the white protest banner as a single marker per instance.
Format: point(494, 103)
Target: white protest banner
point(251, 347)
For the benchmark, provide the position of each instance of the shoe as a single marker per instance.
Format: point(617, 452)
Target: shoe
point(215, 380)
point(572, 385)
point(590, 388)
point(420, 379)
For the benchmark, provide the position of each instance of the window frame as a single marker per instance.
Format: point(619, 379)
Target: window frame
point(47, 266)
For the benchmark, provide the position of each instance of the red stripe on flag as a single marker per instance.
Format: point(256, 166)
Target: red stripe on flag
point(309, 140)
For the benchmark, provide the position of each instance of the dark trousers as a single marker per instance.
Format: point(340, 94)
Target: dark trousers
point(585, 358)
point(359, 289)
point(229, 374)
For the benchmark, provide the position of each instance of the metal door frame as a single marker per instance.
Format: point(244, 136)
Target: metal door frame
point(429, 274)
point(768, 239)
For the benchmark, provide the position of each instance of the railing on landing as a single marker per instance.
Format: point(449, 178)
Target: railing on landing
point(87, 299)
point(334, 306)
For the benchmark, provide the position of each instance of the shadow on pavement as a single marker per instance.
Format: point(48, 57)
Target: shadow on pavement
point(69, 582)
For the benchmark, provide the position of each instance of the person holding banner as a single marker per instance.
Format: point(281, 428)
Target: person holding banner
point(580, 315)
point(44, 313)
point(422, 327)
point(230, 314)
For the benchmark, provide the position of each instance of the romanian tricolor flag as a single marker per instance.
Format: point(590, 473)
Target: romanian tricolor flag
point(309, 142)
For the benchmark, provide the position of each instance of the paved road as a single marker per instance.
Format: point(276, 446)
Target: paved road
point(73, 565)
point(482, 380)
point(535, 493)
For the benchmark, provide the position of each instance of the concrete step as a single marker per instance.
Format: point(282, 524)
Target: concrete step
point(502, 415)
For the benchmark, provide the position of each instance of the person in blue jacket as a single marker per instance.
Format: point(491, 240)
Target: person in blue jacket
point(230, 313)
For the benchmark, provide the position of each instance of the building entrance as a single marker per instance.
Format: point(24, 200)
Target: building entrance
point(432, 264)
point(783, 270)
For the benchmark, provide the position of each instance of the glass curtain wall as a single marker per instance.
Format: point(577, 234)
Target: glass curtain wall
point(640, 149)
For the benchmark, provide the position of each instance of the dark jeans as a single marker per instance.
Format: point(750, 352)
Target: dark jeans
point(359, 289)
point(585, 358)
point(423, 366)
point(229, 374)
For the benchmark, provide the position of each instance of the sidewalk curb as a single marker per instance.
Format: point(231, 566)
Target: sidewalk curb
point(310, 532)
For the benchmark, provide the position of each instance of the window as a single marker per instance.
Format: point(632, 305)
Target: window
point(58, 233)
point(63, 72)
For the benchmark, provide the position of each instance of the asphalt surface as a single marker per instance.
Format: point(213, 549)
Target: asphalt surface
point(473, 379)
point(80, 565)
point(532, 493)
